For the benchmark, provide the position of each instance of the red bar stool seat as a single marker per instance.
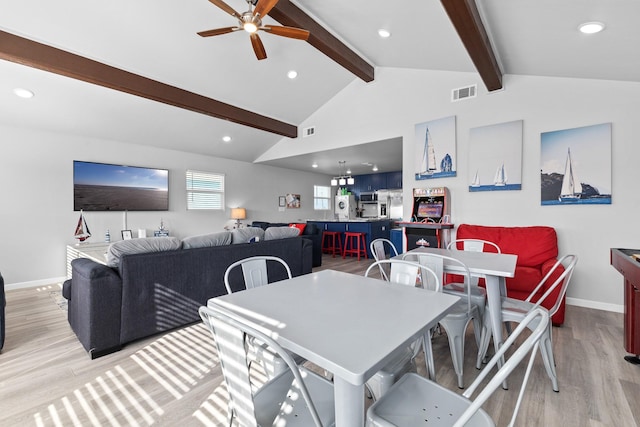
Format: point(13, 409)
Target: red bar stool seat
point(331, 243)
point(355, 244)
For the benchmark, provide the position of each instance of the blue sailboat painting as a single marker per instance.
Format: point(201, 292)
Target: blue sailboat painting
point(428, 165)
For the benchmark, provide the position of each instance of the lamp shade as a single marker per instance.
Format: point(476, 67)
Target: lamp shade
point(238, 213)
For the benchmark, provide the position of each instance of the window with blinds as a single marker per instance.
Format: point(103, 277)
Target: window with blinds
point(321, 198)
point(205, 190)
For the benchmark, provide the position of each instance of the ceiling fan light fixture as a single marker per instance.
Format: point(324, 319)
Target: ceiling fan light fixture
point(250, 27)
point(591, 27)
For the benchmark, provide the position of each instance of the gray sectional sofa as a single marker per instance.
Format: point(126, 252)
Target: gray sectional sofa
point(152, 292)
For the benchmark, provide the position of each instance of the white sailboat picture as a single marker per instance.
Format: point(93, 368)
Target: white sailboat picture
point(435, 147)
point(500, 178)
point(428, 166)
point(476, 180)
point(571, 187)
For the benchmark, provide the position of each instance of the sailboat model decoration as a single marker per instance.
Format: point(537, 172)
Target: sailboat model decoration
point(82, 232)
point(571, 186)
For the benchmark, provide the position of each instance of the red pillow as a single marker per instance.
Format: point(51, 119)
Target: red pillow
point(299, 227)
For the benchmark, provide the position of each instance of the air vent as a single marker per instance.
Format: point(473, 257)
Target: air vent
point(464, 93)
point(310, 131)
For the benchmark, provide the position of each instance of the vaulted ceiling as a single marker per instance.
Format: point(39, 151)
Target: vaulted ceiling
point(73, 53)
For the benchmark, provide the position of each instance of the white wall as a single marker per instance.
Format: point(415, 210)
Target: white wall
point(399, 98)
point(36, 193)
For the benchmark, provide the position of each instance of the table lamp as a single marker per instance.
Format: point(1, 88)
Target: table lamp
point(238, 214)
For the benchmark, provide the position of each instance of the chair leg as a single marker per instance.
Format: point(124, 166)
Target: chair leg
point(546, 350)
point(428, 355)
point(485, 339)
point(455, 332)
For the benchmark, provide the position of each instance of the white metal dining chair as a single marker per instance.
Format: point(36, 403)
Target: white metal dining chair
point(478, 294)
point(254, 274)
point(514, 310)
point(415, 401)
point(294, 397)
point(379, 251)
point(406, 273)
point(457, 319)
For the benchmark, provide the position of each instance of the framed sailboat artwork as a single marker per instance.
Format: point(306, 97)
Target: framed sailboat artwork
point(575, 166)
point(495, 157)
point(435, 148)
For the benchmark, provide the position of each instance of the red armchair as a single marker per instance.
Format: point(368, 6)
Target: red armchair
point(537, 250)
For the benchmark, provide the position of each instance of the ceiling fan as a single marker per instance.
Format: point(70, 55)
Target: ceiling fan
point(251, 22)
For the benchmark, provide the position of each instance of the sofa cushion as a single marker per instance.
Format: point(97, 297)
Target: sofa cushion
point(533, 245)
point(273, 233)
point(311, 229)
point(299, 226)
point(207, 240)
point(136, 246)
point(247, 235)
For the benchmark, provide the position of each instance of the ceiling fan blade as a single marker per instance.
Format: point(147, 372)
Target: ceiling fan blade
point(258, 47)
point(222, 5)
point(217, 31)
point(263, 7)
point(294, 33)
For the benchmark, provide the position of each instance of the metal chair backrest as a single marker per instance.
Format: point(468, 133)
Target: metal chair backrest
point(407, 272)
point(530, 345)
point(229, 332)
point(436, 262)
point(254, 271)
point(568, 262)
point(379, 252)
point(474, 245)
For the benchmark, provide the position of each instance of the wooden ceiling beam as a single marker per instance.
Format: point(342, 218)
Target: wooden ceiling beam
point(286, 13)
point(37, 55)
point(466, 19)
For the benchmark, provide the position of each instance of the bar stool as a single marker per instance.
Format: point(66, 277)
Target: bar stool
point(331, 243)
point(355, 244)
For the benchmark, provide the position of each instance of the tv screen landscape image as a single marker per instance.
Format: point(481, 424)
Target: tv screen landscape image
point(106, 187)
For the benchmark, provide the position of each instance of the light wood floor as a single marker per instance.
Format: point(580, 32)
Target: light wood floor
point(47, 379)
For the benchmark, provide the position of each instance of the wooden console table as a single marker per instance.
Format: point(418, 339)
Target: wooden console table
point(623, 261)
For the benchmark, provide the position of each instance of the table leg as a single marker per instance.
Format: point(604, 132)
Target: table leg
point(495, 286)
point(349, 401)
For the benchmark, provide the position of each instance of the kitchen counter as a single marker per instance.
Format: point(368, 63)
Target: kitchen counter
point(373, 228)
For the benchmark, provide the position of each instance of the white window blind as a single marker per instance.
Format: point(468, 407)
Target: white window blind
point(205, 190)
point(321, 198)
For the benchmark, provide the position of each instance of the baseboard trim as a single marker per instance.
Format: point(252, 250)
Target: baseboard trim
point(35, 283)
point(616, 308)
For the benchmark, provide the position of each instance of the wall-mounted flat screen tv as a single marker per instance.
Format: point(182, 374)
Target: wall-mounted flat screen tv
point(105, 187)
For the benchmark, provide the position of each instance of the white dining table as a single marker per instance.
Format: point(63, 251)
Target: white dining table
point(494, 267)
point(347, 324)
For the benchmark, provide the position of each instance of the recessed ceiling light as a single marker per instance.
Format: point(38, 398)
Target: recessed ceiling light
point(23, 93)
point(314, 165)
point(349, 171)
point(591, 27)
point(384, 33)
point(292, 74)
point(226, 138)
point(375, 168)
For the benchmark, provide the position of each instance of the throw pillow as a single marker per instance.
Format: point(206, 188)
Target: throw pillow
point(138, 246)
point(273, 233)
point(300, 227)
point(207, 240)
point(247, 235)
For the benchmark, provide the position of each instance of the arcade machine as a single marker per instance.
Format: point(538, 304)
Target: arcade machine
point(430, 223)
